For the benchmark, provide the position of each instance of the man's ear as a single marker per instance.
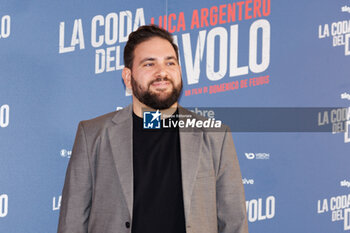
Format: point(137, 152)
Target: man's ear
point(126, 74)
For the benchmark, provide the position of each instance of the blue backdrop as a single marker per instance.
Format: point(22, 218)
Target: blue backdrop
point(61, 63)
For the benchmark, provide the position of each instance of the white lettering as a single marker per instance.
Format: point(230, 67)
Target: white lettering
point(77, 37)
point(347, 43)
point(347, 132)
point(108, 60)
point(56, 205)
point(341, 27)
point(253, 210)
point(115, 26)
point(66, 153)
point(139, 19)
point(204, 113)
point(338, 115)
point(97, 20)
point(100, 61)
point(4, 200)
point(347, 219)
point(63, 49)
point(323, 118)
point(218, 124)
point(253, 46)
point(123, 34)
point(199, 124)
point(257, 211)
point(111, 28)
point(340, 202)
point(4, 115)
point(221, 33)
point(345, 96)
point(193, 68)
point(190, 122)
point(234, 69)
point(270, 207)
point(5, 26)
point(323, 33)
point(323, 208)
point(247, 181)
point(250, 155)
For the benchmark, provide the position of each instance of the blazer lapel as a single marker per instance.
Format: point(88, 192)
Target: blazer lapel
point(121, 143)
point(190, 147)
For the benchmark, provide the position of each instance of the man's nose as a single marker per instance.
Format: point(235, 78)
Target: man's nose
point(161, 71)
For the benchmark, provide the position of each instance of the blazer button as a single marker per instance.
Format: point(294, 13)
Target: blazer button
point(127, 224)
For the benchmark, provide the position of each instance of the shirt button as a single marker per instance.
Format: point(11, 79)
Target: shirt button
point(127, 224)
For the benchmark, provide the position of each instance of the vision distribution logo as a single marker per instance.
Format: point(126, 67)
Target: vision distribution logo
point(262, 156)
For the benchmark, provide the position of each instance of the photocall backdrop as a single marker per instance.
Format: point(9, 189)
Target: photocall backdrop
point(61, 63)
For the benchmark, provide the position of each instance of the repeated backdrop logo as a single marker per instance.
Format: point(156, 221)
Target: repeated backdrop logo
point(5, 26)
point(339, 118)
point(339, 206)
point(110, 30)
point(259, 209)
point(113, 29)
point(339, 31)
point(4, 205)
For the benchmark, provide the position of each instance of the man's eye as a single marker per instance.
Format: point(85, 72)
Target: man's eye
point(148, 64)
point(171, 63)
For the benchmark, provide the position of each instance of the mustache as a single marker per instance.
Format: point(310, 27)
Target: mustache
point(160, 79)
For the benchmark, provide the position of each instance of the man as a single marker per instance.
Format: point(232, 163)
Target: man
point(123, 178)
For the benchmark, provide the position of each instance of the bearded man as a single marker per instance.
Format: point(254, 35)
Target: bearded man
point(124, 178)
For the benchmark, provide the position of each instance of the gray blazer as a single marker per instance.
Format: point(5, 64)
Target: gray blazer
point(98, 191)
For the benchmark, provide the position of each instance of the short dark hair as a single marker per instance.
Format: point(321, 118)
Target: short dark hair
point(143, 34)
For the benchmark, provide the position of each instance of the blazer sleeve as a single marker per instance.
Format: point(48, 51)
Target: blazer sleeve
point(231, 209)
point(77, 190)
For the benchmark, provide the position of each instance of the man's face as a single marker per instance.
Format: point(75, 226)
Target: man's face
point(156, 74)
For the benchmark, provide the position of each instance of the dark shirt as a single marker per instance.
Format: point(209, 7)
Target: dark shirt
point(158, 199)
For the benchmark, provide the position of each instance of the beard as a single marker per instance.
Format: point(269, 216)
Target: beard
point(153, 99)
